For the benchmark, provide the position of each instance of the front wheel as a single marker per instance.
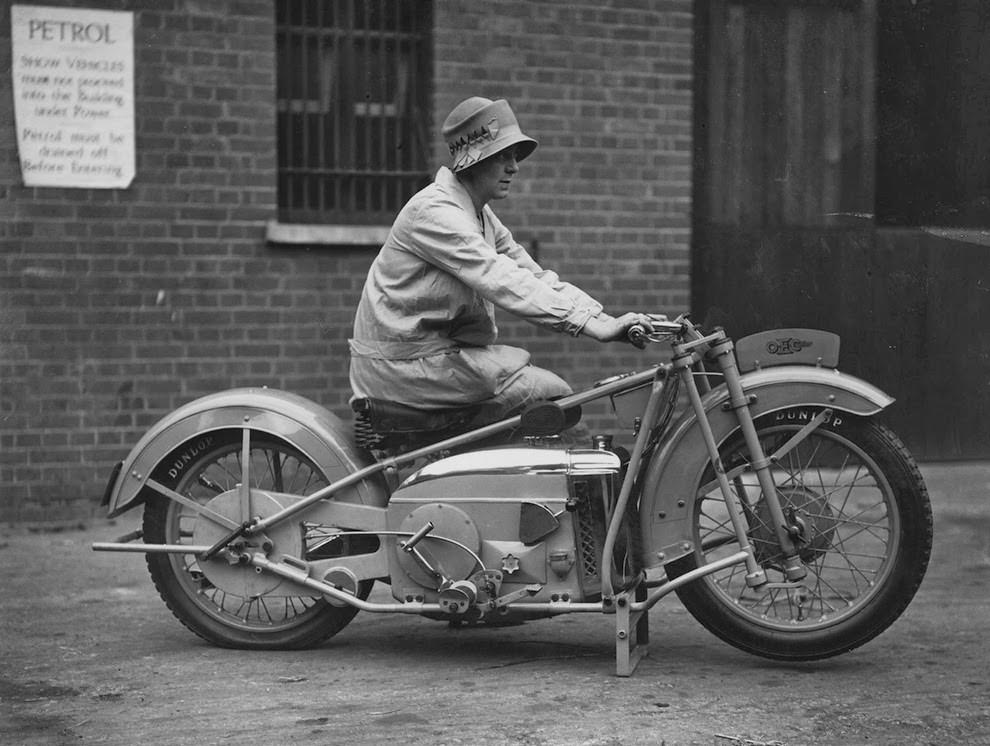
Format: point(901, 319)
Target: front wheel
point(858, 499)
point(242, 610)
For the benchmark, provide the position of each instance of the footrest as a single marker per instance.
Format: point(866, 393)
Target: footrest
point(632, 632)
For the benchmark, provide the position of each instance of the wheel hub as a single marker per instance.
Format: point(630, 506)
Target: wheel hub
point(227, 574)
point(810, 519)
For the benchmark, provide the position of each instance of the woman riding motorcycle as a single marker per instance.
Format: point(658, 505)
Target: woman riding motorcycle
point(425, 332)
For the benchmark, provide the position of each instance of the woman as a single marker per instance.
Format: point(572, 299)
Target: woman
point(425, 333)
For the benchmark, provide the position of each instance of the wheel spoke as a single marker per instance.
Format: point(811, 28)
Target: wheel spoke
point(275, 466)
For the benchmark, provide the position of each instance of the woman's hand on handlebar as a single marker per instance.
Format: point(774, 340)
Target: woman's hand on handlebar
point(629, 327)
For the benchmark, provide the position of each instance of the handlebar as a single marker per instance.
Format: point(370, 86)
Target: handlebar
point(663, 329)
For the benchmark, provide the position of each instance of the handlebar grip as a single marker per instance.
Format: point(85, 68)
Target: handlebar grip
point(637, 335)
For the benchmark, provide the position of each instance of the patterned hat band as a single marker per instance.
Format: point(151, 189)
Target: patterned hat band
point(479, 128)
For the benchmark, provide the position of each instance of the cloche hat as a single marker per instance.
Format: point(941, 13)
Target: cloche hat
point(478, 128)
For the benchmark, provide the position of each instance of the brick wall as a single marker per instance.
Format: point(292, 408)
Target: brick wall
point(116, 306)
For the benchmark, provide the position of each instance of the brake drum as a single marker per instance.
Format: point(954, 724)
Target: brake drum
point(286, 539)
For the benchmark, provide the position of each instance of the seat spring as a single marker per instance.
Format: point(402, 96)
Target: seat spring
point(364, 434)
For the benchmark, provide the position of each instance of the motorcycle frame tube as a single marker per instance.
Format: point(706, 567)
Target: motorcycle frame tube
point(606, 605)
point(113, 546)
point(647, 424)
point(668, 587)
point(675, 470)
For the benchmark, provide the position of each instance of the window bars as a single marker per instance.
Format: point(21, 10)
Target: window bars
point(353, 108)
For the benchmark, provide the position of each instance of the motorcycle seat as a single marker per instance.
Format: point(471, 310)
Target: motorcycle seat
point(382, 424)
point(392, 417)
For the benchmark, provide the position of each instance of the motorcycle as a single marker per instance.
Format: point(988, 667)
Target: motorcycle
point(760, 488)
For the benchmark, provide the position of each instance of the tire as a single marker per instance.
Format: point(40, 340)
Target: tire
point(867, 537)
point(223, 616)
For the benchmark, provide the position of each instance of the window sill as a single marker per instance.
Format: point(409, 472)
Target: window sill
point(328, 235)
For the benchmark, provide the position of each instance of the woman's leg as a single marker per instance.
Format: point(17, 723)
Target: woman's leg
point(527, 385)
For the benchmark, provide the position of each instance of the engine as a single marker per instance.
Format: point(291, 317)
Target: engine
point(524, 522)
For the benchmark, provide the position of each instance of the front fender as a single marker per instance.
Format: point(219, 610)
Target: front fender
point(184, 433)
point(675, 472)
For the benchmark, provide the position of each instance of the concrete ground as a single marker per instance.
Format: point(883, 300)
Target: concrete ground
point(91, 655)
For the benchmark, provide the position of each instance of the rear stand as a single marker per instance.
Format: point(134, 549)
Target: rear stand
point(632, 631)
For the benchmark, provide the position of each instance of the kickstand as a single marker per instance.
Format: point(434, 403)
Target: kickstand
point(632, 632)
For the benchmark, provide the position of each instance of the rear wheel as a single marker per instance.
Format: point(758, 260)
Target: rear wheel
point(241, 610)
point(865, 523)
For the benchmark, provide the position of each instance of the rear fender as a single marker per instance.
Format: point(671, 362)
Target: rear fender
point(675, 472)
point(175, 441)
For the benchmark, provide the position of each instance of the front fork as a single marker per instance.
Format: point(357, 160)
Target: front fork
point(685, 356)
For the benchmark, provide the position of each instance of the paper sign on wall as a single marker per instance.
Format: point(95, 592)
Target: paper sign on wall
point(73, 82)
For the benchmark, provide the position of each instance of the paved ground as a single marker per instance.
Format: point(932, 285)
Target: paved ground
point(90, 655)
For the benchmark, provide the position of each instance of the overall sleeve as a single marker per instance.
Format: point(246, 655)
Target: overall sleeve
point(507, 245)
point(449, 239)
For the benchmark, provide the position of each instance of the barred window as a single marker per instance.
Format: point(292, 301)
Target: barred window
point(353, 108)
